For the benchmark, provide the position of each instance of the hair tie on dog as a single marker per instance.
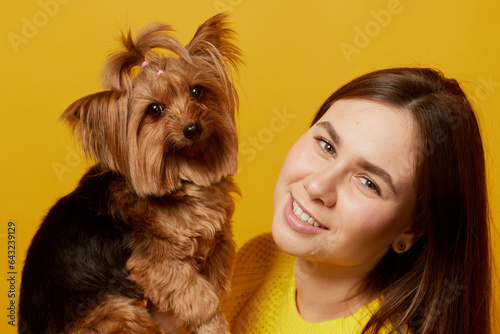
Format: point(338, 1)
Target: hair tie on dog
point(160, 72)
point(144, 64)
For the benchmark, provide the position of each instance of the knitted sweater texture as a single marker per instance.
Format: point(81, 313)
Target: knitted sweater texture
point(263, 296)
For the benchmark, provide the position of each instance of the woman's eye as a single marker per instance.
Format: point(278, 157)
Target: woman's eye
point(197, 92)
point(369, 184)
point(326, 146)
point(155, 110)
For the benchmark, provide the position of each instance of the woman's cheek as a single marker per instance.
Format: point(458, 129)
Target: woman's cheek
point(366, 216)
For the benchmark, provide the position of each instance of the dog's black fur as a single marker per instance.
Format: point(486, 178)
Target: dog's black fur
point(77, 256)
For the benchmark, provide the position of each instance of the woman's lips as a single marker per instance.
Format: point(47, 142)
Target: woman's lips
point(306, 218)
point(301, 221)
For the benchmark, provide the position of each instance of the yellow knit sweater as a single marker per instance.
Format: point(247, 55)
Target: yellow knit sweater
point(263, 296)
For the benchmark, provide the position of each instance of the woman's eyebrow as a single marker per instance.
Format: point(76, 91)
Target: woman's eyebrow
point(331, 131)
point(369, 167)
point(361, 162)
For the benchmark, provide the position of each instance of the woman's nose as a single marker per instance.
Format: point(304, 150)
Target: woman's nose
point(321, 185)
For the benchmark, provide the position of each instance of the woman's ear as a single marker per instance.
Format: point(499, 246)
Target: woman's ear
point(407, 239)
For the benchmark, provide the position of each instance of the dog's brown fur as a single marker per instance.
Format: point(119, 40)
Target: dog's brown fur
point(171, 188)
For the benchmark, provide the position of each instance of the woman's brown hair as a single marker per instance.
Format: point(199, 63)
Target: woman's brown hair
point(443, 283)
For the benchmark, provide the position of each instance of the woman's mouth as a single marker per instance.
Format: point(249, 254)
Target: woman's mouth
point(304, 217)
point(300, 220)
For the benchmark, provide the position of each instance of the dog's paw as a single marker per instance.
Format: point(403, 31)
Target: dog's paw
point(216, 325)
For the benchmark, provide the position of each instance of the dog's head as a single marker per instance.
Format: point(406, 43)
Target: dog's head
point(167, 114)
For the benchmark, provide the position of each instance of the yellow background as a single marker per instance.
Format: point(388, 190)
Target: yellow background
point(296, 54)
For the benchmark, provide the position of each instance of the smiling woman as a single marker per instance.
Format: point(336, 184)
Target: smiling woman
point(373, 229)
point(328, 176)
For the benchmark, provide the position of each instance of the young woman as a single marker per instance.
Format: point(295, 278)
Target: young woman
point(381, 218)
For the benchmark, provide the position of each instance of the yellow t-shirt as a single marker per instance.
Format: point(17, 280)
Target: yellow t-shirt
point(262, 299)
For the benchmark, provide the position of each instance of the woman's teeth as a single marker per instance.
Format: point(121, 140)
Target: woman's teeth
point(304, 217)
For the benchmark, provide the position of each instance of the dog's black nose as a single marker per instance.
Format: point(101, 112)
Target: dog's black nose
point(193, 131)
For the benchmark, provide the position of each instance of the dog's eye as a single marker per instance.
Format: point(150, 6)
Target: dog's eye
point(197, 92)
point(155, 110)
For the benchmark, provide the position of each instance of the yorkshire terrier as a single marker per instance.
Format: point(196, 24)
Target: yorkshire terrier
point(150, 222)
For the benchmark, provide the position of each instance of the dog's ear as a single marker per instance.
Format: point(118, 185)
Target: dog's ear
point(100, 123)
point(214, 37)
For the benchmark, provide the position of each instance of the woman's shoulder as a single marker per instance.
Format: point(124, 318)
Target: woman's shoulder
point(258, 249)
point(254, 259)
point(253, 263)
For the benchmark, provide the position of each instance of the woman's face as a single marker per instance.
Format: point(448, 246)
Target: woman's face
point(346, 190)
